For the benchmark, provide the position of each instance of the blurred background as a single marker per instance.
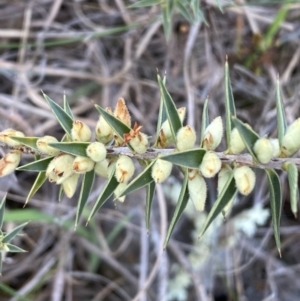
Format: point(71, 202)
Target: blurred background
point(96, 51)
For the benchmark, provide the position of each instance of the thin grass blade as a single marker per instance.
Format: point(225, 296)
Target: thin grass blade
point(281, 119)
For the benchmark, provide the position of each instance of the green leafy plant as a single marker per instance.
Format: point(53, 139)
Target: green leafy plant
point(118, 142)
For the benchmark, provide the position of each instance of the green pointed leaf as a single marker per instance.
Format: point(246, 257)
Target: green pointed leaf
point(276, 203)
point(143, 179)
point(171, 110)
point(39, 165)
point(118, 126)
point(63, 118)
point(292, 171)
point(191, 158)
point(107, 191)
point(144, 3)
point(28, 141)
point(184, 11)
point(180, 206)
point(149, 198)
point(281, 119)
point(67, 108)
point(86, 188)
point(162, 115)
point(248, 135)
point(205, 119)
point(225, 196)
point(13, 233)
point(229, 104)
point(166, 14)
point(39, 181)
point(2, 209)
point(73, 148)
point(14, 249)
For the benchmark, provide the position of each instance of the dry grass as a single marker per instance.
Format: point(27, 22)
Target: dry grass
point(100, 50)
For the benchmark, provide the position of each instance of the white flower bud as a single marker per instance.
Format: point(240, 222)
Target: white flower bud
point(161, 170)
point(264, 150)
point(42, 145)
point(104, 132)
point(244, 179)
point(197, 189)
point(223, 177)
point(139, 143)
point(82, 164)
point(80, 131)
point(50, 171)
point(9, 162)
point(96, 151)
point(120, 188)
point(186, 138)
point(124, 169)
point(62, 167)
point(6, 134)
point(210, 165)
point(165, 138)
point(237, 144)
point(70, 185)
point(291, 141)
point(276, 147)
point(213, 134)
point(101, 168)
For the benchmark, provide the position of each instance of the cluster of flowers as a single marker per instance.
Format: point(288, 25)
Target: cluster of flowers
point(65, 169)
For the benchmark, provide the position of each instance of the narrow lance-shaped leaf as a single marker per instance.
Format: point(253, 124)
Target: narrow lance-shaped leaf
point(2, 209)
point(229, 104)
point(39, 181)
point(67, 107)
point(62, 117)
point(118, 126)
point(205, 119)
point(28, 141)
point(106, 192)
point(38, 166)
point(292, 171)
point(180, 206)
point(189, 159)
point(162, 115)
point(86, 188)
point(248, 135)
point(225, 196)
point(14, 249)
point(73, 148)
point(13, 233)
point(276, 203)
point(171, 110)
point(281, 119)
point(149, 198)
point(143, 179)
point(182, 7)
